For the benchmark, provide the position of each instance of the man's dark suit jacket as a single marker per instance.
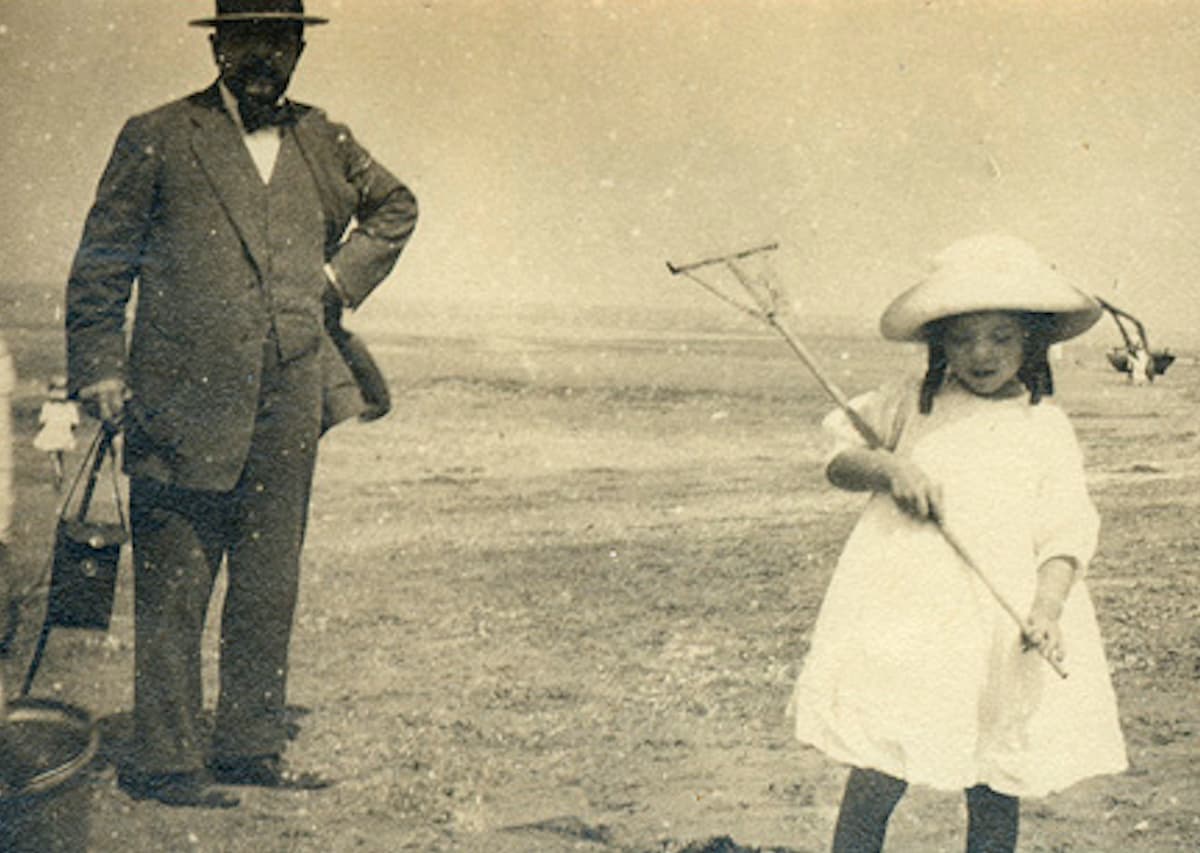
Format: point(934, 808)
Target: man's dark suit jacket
point(178, 210)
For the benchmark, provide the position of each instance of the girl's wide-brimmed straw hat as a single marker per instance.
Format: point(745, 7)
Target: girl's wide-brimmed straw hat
point(233, 11)
point(990, 272)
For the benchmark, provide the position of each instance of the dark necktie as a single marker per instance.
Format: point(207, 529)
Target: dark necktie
point(256, 118)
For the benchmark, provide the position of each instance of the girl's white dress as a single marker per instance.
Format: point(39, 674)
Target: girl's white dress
point(915, 670)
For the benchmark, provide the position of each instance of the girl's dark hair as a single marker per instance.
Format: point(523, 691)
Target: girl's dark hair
point(1034, 372)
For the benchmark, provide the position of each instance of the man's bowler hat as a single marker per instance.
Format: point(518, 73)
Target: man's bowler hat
point(232, 11)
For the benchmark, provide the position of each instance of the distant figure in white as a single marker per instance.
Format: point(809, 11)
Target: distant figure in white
point(58, 418)
point(1139, 365)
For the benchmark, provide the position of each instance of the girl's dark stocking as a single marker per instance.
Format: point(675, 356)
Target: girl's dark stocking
point(867, 804)
point(992, 821)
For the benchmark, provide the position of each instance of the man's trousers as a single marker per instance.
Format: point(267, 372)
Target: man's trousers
point(180, 539)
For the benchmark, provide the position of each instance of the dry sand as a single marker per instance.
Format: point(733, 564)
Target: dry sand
point(556, 601)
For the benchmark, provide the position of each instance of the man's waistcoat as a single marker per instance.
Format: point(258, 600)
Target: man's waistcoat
point(205, 310)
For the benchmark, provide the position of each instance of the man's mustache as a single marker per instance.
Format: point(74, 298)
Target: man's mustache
point(258, 70)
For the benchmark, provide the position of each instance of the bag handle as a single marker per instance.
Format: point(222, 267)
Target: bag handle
point(100, 447)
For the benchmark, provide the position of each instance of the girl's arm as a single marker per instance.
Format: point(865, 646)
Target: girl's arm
point(1055, 577)
point(861, 469)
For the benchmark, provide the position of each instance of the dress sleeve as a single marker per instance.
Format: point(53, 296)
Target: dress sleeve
point(1066, 522)
point(884, 410)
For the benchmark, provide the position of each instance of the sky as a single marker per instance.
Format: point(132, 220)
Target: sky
point(564, 150)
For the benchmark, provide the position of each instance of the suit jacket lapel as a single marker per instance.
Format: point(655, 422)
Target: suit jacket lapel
point(331, 186)
point(227, 165)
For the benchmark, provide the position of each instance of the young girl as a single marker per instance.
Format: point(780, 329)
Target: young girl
point(58, 418)
point(916, 673)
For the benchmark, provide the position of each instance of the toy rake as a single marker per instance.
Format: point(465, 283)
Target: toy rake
point(766, 306)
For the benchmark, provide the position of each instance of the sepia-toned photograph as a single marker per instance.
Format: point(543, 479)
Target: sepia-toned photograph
point(627, 426)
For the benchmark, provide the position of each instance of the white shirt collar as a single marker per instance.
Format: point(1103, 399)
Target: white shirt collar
point(263, 144)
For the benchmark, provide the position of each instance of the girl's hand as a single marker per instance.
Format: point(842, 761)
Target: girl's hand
point(1041, 632)
point(913, 491)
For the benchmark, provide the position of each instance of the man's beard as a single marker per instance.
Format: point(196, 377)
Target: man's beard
point(257, 85)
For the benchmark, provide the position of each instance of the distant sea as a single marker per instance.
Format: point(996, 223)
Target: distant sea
point(31, 316)
point(661, 319)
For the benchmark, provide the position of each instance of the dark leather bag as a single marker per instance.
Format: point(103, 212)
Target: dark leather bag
point(83, 575)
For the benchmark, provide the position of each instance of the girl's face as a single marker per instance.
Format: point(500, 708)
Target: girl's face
point(985, 350)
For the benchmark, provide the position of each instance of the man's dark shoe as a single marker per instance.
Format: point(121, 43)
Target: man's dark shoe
point(187, 790)
point(264, 771)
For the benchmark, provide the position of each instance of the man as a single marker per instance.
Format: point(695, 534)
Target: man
point(230, 210)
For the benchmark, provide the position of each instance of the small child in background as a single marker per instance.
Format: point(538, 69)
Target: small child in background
point(1139, 365)
point(916, 674)
point(58, 417)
